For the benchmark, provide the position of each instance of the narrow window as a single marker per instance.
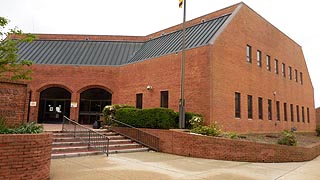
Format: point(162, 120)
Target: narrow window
point(290, 72)
point(268, 63)
point(285, 117)
point(269, 109)
point(302, 112)
point(283, 69)
point(249, 54)
point(301, 80)
point(164, 99)
point(139, 100)
point(276, 68)
point(249, 107)
point(291, 112)
point(237, 105)
point(260, 107)
point(278, 110)
point(308, 115)
point(298, 114)
point(296, 75)
point(259, 58)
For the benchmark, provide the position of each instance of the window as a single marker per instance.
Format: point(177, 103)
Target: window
point(285, 117)
point(308, 115)
point(249, 54)
point(237, 105)
point(278, 110)
point(296, 75)
point(268, 63)
point(290, 72)
point(283, 69)
point(269, 109)
point(291, 112)
point(249, 107)
point(302, 112)
point(260, 107)
point(164, 99)
point(298, 119)
point(276, 68)
point(259, 58)
point(139, 100)
point(301, 80)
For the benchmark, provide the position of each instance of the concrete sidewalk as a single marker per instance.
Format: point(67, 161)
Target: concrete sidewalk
point(161, 166)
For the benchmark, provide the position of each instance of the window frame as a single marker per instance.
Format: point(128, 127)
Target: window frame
point(139, 100)
point(249, 53)
point(259, 56)
point(164, 99)
point(278, 110)
point(285, 113)
point(284, 70)
point(269, 109)
point(260, 108)
point(250, 107)
point(237, 105)
point(276, 66)
point(268, 62)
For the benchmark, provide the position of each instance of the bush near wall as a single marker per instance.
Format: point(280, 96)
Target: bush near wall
point(159, 118)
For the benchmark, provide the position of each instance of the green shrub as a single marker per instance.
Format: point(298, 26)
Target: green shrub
point(196, 121)
point(188, 117)
point(288, 138)
point(160, 118)
point(110, 111)
point(26, 128)
point(232, 135)
point(213, 130)
point(318, 130)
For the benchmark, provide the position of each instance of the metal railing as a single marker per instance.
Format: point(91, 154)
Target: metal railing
point(92, 138)
point(136, 134)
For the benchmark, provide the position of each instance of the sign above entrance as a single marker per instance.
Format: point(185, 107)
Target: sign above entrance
point(33, 103)
point(74, 104)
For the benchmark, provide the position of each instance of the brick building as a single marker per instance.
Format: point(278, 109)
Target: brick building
point(241, 71)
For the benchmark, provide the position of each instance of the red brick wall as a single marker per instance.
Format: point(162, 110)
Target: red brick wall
point(181, 143)
point(13, 102)
point(318, 116)
point(25, 156)
point(213, 74)
point(232, 73)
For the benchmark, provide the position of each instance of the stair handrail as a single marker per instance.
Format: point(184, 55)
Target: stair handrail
point(93, 136)
point(136, 134)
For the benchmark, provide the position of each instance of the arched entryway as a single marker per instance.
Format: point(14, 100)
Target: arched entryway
point(53, 100)
point(92, 102)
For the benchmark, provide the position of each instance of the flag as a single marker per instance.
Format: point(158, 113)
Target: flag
point(180, 3)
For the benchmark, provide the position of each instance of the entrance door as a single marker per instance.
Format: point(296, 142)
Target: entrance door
point(92, 102)
point(54, 103)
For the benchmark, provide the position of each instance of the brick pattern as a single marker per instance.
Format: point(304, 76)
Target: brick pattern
point(13, 102)
point(184, 144)
point(25, 156)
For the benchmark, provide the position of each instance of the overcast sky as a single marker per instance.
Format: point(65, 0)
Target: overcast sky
point(298, 19)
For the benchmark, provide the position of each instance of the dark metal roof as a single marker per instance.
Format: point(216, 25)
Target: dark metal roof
point(109, 53)
point(73, 52)
point(196, 36)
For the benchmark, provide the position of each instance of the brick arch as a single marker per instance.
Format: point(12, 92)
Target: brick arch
point(44, 87)
point(94, 86)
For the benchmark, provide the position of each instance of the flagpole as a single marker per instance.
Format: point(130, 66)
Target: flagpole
point(182, 100)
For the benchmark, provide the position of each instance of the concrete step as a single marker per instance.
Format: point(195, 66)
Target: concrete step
point(80, 143)
point(65, 145)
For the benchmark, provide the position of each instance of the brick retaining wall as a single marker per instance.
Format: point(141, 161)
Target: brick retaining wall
point(25, 156)
point(185, 144)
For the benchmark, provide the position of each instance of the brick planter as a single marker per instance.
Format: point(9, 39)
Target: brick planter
point(25, 156)
point(185, 144)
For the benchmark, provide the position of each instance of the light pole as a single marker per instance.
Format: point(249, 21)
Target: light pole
point(182, 100)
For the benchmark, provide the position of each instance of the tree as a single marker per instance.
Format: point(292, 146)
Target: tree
point(10, 66)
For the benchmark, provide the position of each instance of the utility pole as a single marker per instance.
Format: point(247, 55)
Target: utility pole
point(182, 100)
